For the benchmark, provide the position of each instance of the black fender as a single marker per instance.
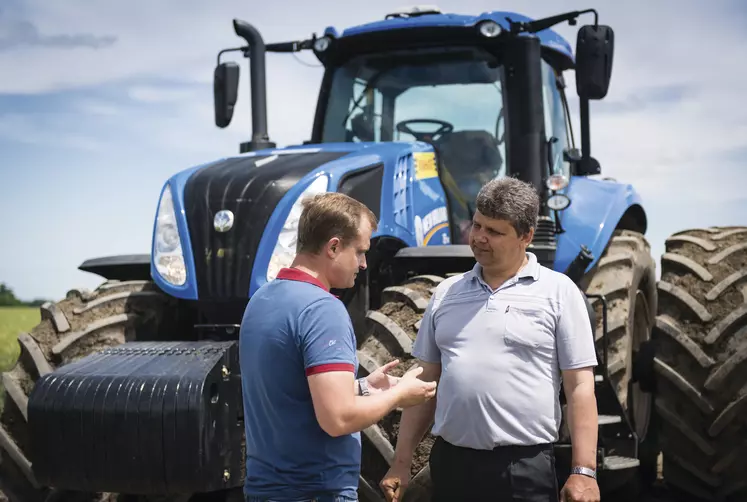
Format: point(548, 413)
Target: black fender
point(127, 267)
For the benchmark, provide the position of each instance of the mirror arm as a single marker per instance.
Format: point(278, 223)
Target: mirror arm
point(583, 106)
point(244, 49)
point(549, 22)
point(586, 165)
point(297, 46)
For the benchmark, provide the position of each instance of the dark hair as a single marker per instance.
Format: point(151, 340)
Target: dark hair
point(329, 215)
point(510, 199)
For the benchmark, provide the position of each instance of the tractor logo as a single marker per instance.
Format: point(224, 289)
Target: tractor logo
point(223, 220)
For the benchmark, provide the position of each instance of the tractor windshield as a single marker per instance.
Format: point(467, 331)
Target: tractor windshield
point(453, 99)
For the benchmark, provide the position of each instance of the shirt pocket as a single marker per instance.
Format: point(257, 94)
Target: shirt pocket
point(528, 327)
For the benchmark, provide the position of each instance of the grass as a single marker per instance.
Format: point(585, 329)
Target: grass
point(13, 321)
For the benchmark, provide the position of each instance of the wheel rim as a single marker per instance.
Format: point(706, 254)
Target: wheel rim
point(638, 400)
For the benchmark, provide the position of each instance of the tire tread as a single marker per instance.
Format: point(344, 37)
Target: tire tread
point(701, 333)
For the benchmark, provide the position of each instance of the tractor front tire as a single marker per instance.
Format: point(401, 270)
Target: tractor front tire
point(626, 276)
point(390, 333)
point(81, 324)
point(701, 363)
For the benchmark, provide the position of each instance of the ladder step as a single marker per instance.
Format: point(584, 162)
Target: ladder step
point(618, 463)
point(609, 419)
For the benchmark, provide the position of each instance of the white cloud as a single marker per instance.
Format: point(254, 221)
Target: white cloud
point(26, 129)
point(672, 150)
point(152, 94)
point(98, 107)
point(160, 69)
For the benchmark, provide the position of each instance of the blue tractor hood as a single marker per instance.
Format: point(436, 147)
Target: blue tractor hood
point(259, 189)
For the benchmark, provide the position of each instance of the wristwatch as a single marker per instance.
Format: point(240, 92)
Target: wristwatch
point(584, 471)
point(363, 387)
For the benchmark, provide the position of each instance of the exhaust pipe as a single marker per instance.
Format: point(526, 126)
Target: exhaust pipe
point(258, 86)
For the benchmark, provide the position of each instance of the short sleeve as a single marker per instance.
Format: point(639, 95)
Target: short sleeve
point(575, 339)
point(425, 347)
point(325, 337)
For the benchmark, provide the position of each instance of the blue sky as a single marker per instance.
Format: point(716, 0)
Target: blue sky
point(101, 102)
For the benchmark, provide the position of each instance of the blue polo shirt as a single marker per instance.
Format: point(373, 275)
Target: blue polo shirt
point(292, 328)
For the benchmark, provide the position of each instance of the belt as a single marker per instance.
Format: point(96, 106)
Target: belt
point(503, 449)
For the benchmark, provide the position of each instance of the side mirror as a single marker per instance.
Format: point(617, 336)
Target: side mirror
point(225, 92)
point(595, 46)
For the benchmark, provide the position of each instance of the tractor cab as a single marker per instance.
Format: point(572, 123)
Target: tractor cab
point(486, 92)
point(452, 99)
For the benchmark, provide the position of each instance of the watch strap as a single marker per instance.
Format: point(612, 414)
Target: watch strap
point(363, 387)
point(584, 471)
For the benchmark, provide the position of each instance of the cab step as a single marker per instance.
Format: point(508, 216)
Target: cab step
point(609, 419)
point(618, 463)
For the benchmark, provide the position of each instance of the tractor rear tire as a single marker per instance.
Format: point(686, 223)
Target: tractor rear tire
point(701, 363)
point(81, 324)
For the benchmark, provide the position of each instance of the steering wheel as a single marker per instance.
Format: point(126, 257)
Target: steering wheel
point(445, 128)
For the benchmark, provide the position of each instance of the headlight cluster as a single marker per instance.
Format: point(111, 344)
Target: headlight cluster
point(167, 247)
point(557, 201)
point(285, 248)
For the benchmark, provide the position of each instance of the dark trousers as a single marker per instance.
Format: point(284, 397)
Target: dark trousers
point(510, 473)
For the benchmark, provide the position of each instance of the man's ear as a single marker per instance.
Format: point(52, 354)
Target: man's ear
point(528, 237)
point(333, 247)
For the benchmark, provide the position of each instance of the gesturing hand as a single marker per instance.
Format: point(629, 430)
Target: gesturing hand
point(379, 380)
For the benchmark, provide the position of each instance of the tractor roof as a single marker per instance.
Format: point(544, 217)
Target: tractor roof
point(432, 17)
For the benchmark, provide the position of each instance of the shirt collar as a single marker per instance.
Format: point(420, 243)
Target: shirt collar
point(294, 274)
point(531, 269)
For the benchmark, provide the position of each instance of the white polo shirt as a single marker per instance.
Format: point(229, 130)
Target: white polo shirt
point(501, 353)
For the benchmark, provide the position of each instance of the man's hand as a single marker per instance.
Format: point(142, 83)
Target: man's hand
point(579, 488)
point(395, 482)
point(379, 380)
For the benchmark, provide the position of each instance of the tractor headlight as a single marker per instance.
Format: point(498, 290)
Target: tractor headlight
point(322, 44)
point(556, 182)
point(167, 247)
point(285, 247)
point(558, 202)
point(490, 29)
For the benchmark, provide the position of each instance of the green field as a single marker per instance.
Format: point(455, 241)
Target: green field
point(14, 320)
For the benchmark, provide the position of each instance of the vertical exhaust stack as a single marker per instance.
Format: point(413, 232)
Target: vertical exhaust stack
point(527, 148)
point(258, 86)
point(527, 151)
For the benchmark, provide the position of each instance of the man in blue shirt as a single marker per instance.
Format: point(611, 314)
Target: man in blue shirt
point(303, 407)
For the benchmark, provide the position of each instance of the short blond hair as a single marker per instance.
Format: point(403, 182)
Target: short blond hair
point(329, 215)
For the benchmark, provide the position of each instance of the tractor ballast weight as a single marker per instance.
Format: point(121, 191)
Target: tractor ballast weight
point(223, 229)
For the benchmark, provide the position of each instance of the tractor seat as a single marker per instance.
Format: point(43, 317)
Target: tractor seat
point(472, 158)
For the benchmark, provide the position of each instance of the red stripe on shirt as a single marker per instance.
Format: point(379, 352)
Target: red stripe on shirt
point(323, 368)
point(295, 274)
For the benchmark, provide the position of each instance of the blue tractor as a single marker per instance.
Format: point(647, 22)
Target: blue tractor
point(134, 388)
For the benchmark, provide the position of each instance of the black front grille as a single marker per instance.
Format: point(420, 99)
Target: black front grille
point(544, 243)
point(545, 232)
point(223, 261)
